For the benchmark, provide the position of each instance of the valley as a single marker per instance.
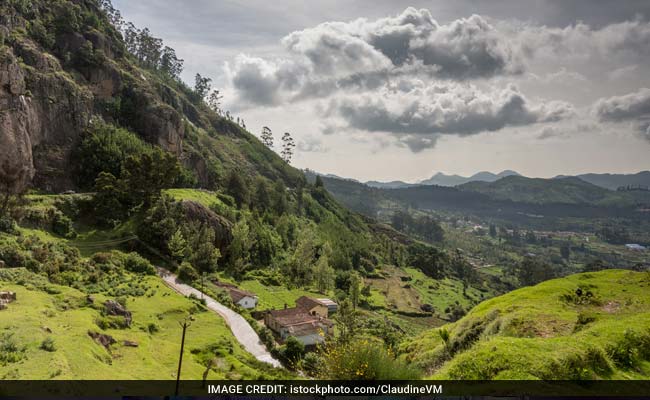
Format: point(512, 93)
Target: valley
point(132, 204)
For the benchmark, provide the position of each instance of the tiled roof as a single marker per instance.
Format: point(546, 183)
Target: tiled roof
point(238, 294)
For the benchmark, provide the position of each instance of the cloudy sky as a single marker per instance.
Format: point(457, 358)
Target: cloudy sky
point(379, 89)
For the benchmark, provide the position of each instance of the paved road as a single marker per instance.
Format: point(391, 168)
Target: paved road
point(242, 330)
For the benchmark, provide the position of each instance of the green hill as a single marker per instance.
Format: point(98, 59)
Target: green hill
point(548, 191)
point(62, 315)
point(585, 326)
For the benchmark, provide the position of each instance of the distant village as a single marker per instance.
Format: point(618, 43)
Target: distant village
point(309, 321)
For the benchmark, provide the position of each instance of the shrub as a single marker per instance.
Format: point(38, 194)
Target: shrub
point(48, 345)
point(153, 328)
point(293, 349)
point(7, 225)
point(364, 360)
point(312, 364)
point(630, 349)
point(584, 318)
point(133, 262)
point(62, 226)
point(10, 351)
point(187, 273)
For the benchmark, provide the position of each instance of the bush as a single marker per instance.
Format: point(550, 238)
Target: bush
point(10, 352)
point(62, 226)
point(364, 360)
point(48, 345)
point(133, 262)
point(187, 273)
point(312, 364)
point(7, 225)
point(153, 328)
point(631, 349)
point(293, 350)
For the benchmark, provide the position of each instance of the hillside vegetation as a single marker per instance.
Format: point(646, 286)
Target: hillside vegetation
point(585, 326)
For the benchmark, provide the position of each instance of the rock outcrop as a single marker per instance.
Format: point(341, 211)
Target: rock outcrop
point(222, 227)
point(112, 307)
point(47, 100)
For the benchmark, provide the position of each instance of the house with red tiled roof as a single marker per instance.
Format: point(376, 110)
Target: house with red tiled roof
point(303, 323)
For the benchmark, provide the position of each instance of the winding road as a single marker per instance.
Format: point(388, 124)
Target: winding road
point(242, 330)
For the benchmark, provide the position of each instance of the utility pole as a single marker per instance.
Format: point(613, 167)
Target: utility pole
point(185, 324)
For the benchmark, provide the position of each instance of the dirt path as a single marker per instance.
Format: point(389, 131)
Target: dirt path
point(242, 330)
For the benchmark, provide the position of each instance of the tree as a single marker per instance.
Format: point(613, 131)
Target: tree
point(427, 259)
point(177, 246)
point(267, 137)
point(203, 254)
point(237, 188)
point(109, 200)
point(355, 289)
point(493, 231)
point(240, 247)
point(532, 271)
point(202, 86)
point(565, 251)
point(170, 63)
point(288, 145)
point(347, 321)
point(146, 175)
point(323, 272)
point(262, 196)
point(302, 260)
point(214, 101)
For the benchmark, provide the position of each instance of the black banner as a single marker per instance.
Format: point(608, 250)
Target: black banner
point(327, 389)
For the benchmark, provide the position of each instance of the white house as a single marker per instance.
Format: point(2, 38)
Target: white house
point(242, 298)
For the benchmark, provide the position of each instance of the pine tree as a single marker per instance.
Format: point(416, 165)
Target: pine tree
point(287, 147)
point(177, 245)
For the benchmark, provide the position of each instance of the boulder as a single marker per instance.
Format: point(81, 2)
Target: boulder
point(102, 338)
point(7, 297)
point(112, 307)
point(130, 343)
point(221, 226)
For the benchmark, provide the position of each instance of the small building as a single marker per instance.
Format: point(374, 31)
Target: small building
point(312, 306)
point(308, 328)
point(243, 298)
point(322, 307)
point(635, 247)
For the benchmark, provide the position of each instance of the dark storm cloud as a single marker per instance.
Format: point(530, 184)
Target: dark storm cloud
point(418, 118)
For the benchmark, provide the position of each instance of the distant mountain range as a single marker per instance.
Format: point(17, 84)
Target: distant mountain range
point(614, 181)
point(441, 179)
point(607, 181)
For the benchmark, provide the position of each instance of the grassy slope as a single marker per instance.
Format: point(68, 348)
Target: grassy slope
point(77, 356)
point(533, 333)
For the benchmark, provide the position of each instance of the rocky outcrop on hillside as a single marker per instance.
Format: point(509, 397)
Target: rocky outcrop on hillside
point(47, 101)
point(221, 226)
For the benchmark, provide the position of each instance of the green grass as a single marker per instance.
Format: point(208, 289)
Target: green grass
point(540, 333)
point(203, 197)
point(275, 297)
point(77, 356)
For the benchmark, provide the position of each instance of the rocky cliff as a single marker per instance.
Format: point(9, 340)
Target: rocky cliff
point(57, 76)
